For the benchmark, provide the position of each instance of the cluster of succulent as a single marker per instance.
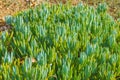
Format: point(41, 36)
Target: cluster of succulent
point(66, 42)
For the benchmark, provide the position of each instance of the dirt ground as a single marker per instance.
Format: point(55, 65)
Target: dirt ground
point(10, 7)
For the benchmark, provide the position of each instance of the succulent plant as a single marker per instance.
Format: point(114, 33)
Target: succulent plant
point(67, 42)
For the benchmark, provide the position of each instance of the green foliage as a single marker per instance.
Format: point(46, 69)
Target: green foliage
point(68, 42)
